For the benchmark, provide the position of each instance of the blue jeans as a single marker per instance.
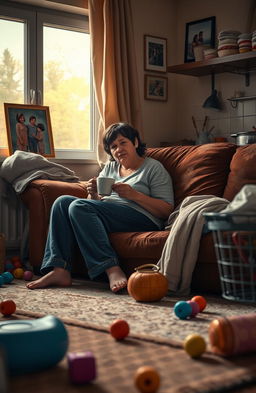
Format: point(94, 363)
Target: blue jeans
point(87, 223)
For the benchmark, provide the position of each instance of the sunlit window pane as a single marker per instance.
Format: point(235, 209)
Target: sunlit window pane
point(11, 69)
point(67, 86)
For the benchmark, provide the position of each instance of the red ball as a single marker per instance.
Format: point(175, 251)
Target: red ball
point(7, 307)
point(17, 264)
point(200, 300)
point(119, 329)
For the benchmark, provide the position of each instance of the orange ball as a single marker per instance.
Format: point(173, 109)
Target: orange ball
point(18, 273)
point(7, 307)
point(200, 300)
point(147, 379)
point(119, 329)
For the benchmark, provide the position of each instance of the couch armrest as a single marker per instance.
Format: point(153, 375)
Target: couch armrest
point(38, 198)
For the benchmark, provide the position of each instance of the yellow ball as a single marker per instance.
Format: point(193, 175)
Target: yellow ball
point(18, 272)
point(194, 345)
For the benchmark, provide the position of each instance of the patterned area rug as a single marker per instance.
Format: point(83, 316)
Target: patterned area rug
point(94, 304)
point(117, 362)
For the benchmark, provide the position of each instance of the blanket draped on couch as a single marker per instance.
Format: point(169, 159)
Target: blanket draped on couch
point(180, 251)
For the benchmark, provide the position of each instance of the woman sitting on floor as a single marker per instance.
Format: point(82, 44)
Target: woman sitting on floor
point(141, 200)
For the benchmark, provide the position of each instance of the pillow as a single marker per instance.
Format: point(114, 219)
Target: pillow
point(242, 170)
point(196, 170)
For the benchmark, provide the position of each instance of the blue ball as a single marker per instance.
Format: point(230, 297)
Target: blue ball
point(8, 266)
point(182, 309)
point(8, 277)
point(1, 281)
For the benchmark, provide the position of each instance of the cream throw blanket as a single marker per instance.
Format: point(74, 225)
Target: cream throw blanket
point(22, 167)
point(180, 252)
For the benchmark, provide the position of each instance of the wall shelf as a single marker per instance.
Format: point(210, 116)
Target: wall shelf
point(241, 63)
point(243, 98)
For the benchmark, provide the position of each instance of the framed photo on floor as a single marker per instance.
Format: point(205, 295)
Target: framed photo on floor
point(199, 32)
point(155, 53)
point(156, 88)
point(29, 129)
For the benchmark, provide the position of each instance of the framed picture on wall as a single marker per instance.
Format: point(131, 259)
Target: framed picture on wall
point(199, 32)
point(29, 129)
point(156, 88)
point(155, 53)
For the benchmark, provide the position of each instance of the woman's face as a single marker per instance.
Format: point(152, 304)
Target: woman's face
point(21, 119)
point(122, 149)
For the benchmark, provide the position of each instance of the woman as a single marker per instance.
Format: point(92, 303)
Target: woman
point(21, 133)
point(141, 200)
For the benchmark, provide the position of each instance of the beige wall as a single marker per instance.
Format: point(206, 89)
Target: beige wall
point(171, 121)
point(156, 18)
point(192, 91)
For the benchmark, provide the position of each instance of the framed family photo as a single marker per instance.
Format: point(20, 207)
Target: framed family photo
point(29, 129)
point(199, 32)
point(155, 53)
point(156, 88)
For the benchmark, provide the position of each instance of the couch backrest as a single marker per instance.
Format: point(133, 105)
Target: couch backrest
point(196, 170)
point(242, 170)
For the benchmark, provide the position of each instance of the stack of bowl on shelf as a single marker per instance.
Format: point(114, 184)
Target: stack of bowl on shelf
point(210, 53)
point(228, 44)
point(244, 42)
point(254, 40)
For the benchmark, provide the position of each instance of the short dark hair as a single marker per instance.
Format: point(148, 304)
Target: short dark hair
point(18, 116)
point(125, 130)
point(32, 117)
point(41, 126)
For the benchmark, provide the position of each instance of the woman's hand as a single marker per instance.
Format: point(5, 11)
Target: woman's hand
point(157, 207)
point(92, 189)
point(124, 191)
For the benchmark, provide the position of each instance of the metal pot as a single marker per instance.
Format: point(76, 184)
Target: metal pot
point(245, 138)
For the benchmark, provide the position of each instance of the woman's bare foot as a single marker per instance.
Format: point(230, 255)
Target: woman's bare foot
point(117, 278)
point(58, 276)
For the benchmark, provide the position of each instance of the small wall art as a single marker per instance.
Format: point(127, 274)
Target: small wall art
point(155, 53)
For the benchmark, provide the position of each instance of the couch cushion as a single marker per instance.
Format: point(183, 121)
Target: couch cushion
point(196, 170)
point(242, 170)
point(139, 244)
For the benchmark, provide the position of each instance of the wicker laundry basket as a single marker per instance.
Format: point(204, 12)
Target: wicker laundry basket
point(235, 245)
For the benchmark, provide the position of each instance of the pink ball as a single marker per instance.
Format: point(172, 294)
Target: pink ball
point(28, 275)
point(195, 308)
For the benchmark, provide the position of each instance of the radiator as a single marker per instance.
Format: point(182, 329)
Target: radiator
point(13, 218)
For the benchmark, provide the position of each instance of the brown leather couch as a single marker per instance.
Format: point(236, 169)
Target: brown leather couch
point(219, 169)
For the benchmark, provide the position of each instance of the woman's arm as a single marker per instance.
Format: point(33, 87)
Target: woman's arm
point(155, 206)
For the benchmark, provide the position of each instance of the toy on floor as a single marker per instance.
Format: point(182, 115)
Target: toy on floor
point(18, 272)
point(7, 277)
point(190, 308)
point(119, 329)
point(182, 309)
point(82, 367)
point(147, 379)
point(7, 307)
point(28, 275)
point(194, 345)
point(233, 335)
point(1, 281)
point(8, 265)
point(200, 300)
point(40, 343)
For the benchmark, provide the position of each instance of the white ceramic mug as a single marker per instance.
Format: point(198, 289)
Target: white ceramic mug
point(104, 185)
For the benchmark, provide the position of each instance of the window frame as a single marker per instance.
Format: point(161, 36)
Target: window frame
point(34, 19)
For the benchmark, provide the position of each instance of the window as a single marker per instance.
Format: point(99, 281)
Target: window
point(45, 59)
